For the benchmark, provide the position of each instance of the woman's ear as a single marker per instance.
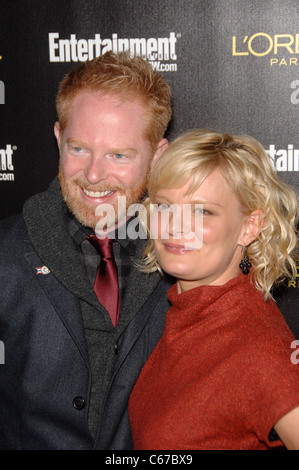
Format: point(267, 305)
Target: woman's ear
point(162, 145)
point(252, 227)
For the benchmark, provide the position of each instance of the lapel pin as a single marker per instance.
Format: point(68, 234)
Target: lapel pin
point(42, 270)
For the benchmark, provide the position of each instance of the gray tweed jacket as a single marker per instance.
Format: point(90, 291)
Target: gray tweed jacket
point(46, 302)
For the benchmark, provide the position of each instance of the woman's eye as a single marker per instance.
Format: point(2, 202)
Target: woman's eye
point(199, 209)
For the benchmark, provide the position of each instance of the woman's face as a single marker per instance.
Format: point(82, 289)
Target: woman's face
point(213, 253)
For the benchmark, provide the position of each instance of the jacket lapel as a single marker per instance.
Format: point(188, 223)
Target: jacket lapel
point(66, 305)
point(46, 218)
point(140, 285)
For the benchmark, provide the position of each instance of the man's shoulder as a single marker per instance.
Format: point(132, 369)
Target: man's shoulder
point(19, 227)
point(15, 225)
point(44, 204)
point(12, 229)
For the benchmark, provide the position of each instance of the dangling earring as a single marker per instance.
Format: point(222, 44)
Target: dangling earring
point(245, 263)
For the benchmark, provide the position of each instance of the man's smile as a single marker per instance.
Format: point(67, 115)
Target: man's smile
point(97, 194)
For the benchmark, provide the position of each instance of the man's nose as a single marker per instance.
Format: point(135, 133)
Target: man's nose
point(97, 169)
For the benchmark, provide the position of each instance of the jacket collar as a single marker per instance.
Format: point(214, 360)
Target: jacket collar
point(47, 219)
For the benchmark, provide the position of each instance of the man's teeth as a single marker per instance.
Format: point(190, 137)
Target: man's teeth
point(97, 193)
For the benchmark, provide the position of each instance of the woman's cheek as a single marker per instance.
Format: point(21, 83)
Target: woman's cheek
point(210, 232)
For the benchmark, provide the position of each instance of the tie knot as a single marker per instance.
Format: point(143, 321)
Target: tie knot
point(102, 245)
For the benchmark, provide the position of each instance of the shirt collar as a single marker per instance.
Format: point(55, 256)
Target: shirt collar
point(79, 233)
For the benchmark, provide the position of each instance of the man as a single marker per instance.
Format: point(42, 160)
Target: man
point(69, 369)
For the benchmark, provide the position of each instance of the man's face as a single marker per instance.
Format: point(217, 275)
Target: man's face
point(103, 155)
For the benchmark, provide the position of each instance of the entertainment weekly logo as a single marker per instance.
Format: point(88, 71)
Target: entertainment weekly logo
point(285, 159)
point(182, 222)
point(6, 163)
point(2, 89)
point(160, 52)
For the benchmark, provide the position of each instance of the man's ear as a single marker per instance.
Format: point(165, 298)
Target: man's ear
point(57, 133)
point(162, 145)
point(252, 227)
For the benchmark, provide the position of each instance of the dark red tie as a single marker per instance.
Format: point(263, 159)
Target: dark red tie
point(106, 282)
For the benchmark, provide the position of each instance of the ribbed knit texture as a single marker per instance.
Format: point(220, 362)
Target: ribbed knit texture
point(221, 375)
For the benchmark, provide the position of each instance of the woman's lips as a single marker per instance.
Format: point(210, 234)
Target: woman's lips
point(178, 249)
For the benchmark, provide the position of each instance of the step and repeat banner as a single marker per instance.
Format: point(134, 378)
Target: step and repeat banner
point(232, 66)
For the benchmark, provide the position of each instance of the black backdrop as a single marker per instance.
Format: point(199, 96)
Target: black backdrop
point(232, 66)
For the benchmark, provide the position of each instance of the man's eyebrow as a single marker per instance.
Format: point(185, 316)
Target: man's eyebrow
point(78, 143)
point(131, 150)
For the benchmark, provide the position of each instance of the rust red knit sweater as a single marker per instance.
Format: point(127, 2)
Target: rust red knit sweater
point(221, 375)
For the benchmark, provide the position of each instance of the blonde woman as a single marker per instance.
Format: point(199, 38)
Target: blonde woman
point(221, 376)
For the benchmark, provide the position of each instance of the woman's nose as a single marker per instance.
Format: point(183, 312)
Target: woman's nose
point(175, 223)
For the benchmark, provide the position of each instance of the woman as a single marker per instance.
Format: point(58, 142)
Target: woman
point(221, 376)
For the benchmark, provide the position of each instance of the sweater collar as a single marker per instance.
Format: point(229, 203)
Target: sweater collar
point(203, 294)
point(193, 305)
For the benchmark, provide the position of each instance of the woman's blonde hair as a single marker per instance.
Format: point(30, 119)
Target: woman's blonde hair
point(246, 167)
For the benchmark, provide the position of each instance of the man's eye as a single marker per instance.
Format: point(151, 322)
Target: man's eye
point(119, 156)
point(76, 149)
point(162, 206)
